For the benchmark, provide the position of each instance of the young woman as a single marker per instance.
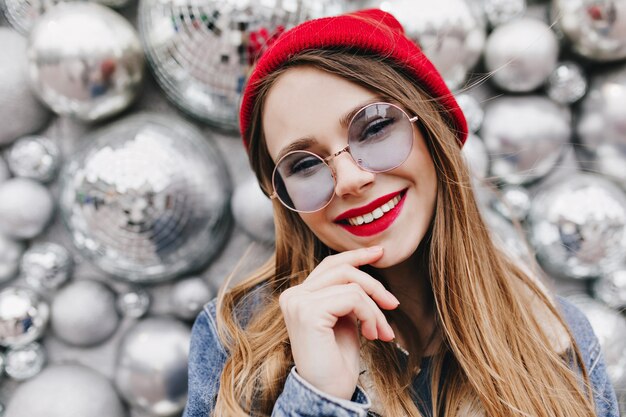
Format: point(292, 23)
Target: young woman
point(385, 294)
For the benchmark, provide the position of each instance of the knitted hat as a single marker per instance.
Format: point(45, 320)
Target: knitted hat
point(371, 30)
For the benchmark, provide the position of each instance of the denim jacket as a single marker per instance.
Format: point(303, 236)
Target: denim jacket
point(299, 398)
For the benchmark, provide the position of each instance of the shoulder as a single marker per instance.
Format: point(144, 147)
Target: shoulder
point(581, 330)
point(591, 351)
point(205, 327)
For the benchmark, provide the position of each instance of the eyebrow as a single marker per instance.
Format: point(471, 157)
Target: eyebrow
point(308, 141)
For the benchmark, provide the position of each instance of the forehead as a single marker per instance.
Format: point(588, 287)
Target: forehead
point(308, 102)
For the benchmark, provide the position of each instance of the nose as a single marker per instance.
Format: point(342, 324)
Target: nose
point(350, 178)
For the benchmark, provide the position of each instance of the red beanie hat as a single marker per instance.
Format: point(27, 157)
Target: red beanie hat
point(371, 30)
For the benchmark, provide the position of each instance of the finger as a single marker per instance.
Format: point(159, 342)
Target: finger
point(341, 300)
point(355, 257)
point(347, 274)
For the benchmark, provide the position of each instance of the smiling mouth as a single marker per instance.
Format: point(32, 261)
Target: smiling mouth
point(375, 214)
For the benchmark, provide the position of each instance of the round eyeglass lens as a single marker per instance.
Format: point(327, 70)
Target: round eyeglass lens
point(380, 137)
point(303, 181)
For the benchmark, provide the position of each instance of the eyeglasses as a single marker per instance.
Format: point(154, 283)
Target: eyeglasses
point(380, 138)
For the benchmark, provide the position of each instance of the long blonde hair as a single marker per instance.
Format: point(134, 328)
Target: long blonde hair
point(494, 354)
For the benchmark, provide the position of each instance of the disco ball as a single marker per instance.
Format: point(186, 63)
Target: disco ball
point(602, 126)
point(595, 28)
point(84, 313)
point(514, 203)
point(525, 137)
point(521, 54)
point(188, 297)
point(472, 110)
point(24, 362)
point(151, 369)
point(253, 211)
point(23, 316)
point(26, 208)
point(503, 11)
point(85, 60)
point(133, 302)
point(66, 390)
point(147, 199)
point(476, 157)
point(46, 266)
point(451, 33)
point(35, 157)
point(201, 51)
point(610, 288)
point(11, 251)
point(22, 14)
point(567, 84)
point(22, 113)
point(5, 174)
point(578, 226)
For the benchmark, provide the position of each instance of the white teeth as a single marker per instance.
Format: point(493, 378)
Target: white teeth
point(376, 214)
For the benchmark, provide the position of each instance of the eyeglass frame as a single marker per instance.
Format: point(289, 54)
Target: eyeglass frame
point(275, 195)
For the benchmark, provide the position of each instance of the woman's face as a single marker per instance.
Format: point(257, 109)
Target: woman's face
point(305, 102)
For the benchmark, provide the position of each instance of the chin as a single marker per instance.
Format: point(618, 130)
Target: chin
point(391, 257)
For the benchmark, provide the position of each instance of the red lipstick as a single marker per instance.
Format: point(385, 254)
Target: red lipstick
point(359, 211)
point(378, 225)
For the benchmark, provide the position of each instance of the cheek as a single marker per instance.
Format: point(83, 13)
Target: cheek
point(322, 228)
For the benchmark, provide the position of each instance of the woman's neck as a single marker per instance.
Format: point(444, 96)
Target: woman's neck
point(409, 281)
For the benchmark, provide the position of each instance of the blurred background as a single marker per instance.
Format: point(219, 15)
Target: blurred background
point(126, 198)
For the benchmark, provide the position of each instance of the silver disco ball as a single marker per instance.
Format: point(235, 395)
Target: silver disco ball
point(476, 157)
point(521, 54)
point(66, 390)
point(503, 11)
point(514, 203)
point(525, 137)
point(253, 211)
point(11, 252)
point(202, 50)
point(85, 60)
point(602, 127)
point(188, 297)
point(578, 226)
point(595, 28)
point(84, 313)
point(610, 288)
point(46, 266)
point(147, 199)
point(567, 84)
point(22, 113)
point(35, 157)
point(22, 14)
point(450, 32)
point(23, 316)
point(151, 370)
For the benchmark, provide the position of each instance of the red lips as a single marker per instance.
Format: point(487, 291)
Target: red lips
point(368, 208)
point(378, 225)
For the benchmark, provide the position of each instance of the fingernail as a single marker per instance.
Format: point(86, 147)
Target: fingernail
point(393, 298)
point(374, 249)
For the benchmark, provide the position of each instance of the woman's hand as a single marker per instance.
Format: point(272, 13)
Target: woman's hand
point(321, 316)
